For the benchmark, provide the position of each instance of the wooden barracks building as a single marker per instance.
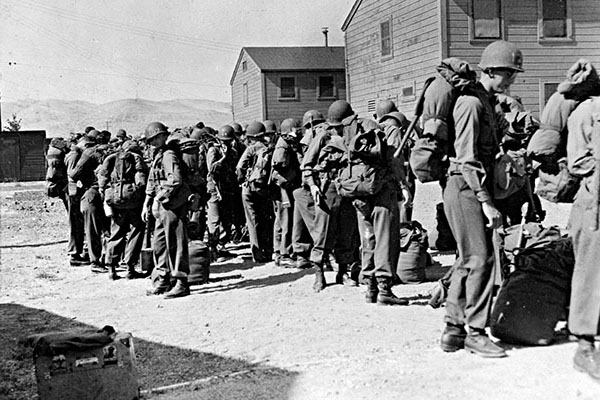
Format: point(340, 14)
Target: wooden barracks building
point(393, 46)
point(284, 82)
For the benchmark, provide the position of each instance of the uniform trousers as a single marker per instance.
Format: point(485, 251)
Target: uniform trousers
point(284, 218)
point(94, 222)
point(303, 222)
point(470, 294)
point(170, 243)
point(259, 219)
point(219, 216)
point(124, 222)
point(76, 231)
point(375, 224)
point(584, 308)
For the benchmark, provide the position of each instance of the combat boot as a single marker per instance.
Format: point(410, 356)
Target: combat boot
point(319, 278)
point(112, 272)
point(386, 297)
point(342, 278)
point(180, 289)
point(372, 290)
point(587, 358)
point(132, 273)
point(453, 338)
point(478, 342)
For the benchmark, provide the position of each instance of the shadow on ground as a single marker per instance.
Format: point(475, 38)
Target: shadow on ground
point(253, 283)
point(157, 364)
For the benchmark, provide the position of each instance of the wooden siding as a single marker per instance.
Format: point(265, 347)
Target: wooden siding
point(545, 61)
point(253, 111)
point(416, 51)
point(22, 156)
point(306, 83)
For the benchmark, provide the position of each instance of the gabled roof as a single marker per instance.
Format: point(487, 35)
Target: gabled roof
point(294, 58)
point(353, 11)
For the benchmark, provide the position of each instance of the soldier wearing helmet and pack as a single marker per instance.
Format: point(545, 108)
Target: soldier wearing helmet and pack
point(468, 203)
point(167, 196)
point(334, 223)
point(221, 184)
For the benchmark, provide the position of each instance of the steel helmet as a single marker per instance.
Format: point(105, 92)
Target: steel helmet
point(237, 128)
point(226, 133)
point(270, 126)
point(502, 54)
point(312, 116)
point(289, 125)
point(385, 107)
point(155, 128)
point(338, 111)
point(255, 129)
point(121, 133)
point(396, 115)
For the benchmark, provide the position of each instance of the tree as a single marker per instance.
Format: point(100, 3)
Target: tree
point(14, 124)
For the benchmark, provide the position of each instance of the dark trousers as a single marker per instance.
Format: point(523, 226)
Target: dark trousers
point(334, 229)
point(303, 222)
point(170, 243)
point(259, 219)
point(284, 218)
point(119, 244)
point(76, 231)
point(375, 226)
point(219, 217)
point(94, 223)
point(470, 294)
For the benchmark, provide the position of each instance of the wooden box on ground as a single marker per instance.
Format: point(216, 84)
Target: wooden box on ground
point(100, 373)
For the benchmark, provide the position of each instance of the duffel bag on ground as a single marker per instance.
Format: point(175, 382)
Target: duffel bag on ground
point(199, 262)
point(413, 253)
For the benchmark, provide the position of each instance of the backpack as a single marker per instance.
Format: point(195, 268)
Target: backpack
point(260, 172)
point(56, 174)
point(288, 176)
point(366, 173)
point(123, 192)
point(548, 145)
point(510, 173)
point(429, 156)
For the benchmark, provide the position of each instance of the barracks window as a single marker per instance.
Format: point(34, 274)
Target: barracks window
point(326, 89)
point(554, 20)
point(486, 19)
point(287, 87)
point(245, 94)
point(385, 35)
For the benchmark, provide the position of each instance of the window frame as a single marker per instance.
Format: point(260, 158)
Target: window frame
point(385, 57)
point(244, 66)
point(413, 97)
point(245, 96)
point(501, 28)
point(279, 88)
point(542, 92)
point(540, 24)
point(333, 87)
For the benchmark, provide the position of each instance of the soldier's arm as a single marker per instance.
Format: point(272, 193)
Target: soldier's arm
point(281, 157)
point(173, 176)
point(311, 157)
point(141, 170)
point(85, 161)
point(580, 151)
point(105, 170)
point(244, 163)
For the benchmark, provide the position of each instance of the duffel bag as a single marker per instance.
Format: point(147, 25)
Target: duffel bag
point(199, 262)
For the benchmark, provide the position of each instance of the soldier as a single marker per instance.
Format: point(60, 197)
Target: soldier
point(122, 183)
point(239, 232)
point(121, 136)
point(335, 223)
point(253, 171)
point(196, 180)
point(74, 193)
point(166, 198)
point(56, 174)
point(468, 203)
point(94, 219)
point(286, 175)
point(304, 206)
point(583, 155)
point(221, 185)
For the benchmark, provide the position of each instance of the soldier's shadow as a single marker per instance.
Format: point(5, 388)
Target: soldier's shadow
point(253, 283)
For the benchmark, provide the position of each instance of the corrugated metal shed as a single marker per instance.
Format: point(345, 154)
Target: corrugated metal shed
point(22, 156)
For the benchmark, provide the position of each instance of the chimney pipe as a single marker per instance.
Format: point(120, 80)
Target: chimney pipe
point(325, 30)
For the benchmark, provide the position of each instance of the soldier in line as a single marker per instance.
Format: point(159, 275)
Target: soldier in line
point(74, 193)
point(335, 225)
point(94, 219)
point(239, 230)
point(253, 171)
point(122, 184)
point(220, 161)
point(468, 203)
point(166, 198)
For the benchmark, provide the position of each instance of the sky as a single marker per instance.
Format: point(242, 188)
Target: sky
point(104, 50)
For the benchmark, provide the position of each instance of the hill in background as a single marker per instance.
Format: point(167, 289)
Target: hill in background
point(60, 117)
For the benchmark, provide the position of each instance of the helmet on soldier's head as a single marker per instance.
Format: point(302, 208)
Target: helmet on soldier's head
point(502, 54)
point(289, 125)
point(270, 126)
point(255, 129)
point(153, 129)
point(385, 107)
point(237, 128)
point(338, 111)
point(88, 129)
point(93, 135)
point(121, 133)
point(226, 133)
point(312, 117)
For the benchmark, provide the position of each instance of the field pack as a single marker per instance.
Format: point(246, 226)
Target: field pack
point(123, 192)
point(429, 156)
point(259, 174)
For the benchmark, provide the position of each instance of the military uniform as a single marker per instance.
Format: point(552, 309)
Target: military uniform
point(74, 193)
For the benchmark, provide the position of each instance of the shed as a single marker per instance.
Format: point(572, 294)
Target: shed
point(22, 156)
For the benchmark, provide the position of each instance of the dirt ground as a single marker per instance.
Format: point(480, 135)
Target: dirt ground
point(256, 331)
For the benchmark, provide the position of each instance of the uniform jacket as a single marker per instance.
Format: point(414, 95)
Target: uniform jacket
point(325, 156)
point(166, 180)
point(248, 159)
point(221, 170)
point(85, 169)
point(476, 142)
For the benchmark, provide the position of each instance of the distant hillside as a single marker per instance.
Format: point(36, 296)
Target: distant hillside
point(59, 117)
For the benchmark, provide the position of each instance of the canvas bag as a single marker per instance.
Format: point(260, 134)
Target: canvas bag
point(123, 193)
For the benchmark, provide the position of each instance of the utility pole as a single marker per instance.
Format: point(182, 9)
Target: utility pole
point(106, 125)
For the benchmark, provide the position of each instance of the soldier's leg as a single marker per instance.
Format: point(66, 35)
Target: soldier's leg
point(135, 240)
point(115, 244)
point(286, 218)
point(76, 231)
point(93, 219)
point(213, 221)
point(277, 231)
point(264, 226)
point(303, 225)
point(364, 210)
point(250, 201)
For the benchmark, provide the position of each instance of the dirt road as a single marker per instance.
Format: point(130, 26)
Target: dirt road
point(258, 331)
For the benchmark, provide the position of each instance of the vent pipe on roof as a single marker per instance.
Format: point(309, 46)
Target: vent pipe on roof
point(325, 30)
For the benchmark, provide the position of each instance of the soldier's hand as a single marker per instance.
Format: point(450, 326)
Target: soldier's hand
point(315, 192)
point(492, 214)
point(145, 212)
point(406, 197)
